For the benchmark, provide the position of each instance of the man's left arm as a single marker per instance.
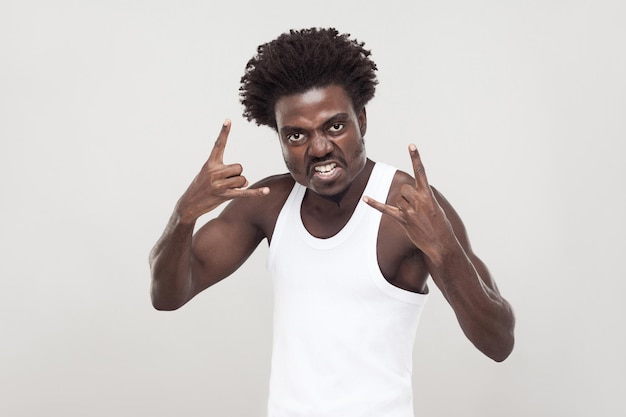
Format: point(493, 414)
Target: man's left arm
point(435, 228)
point(486, 318)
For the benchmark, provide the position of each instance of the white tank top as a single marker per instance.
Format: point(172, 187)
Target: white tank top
point(343, 335)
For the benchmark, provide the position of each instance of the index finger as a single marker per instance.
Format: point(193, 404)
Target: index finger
point(217, 153)
point(418, 168)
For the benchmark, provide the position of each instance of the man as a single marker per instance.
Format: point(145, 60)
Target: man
point(352, 242)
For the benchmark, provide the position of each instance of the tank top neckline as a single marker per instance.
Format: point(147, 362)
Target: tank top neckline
point(344, 233)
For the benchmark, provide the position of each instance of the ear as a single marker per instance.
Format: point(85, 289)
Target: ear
point(362, 117)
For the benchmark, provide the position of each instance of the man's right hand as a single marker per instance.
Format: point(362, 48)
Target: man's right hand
point(215, 183)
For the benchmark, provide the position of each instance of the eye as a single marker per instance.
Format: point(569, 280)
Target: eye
point(294, 137)
point(336, 127)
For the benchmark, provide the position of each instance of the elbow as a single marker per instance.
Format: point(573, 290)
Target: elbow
point(496, 341)
point(502, 345)
point(504, 349)
point(166, 294)
point(163, 306)
point(497, 348)
point(164, 302)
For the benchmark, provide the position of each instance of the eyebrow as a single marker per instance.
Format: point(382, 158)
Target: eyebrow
point(338, 116)
point(333, 118)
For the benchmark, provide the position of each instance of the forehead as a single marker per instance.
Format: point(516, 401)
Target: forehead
point(313, 106)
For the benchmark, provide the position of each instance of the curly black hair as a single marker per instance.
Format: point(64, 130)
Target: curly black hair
point(303, 59)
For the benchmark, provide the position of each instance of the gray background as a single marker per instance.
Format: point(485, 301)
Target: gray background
point(108, 109)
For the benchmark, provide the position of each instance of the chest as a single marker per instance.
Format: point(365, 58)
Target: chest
point(343, 243)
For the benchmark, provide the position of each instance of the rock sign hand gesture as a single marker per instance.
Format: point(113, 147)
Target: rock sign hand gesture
point(419, 213)
point(216, 182)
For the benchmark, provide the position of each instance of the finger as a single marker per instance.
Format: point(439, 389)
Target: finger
point(230, 183)
point(418, 168)
point(228, 171)
point(217, 153)
point(385, 208)
point(408, 195)
point(246, 192)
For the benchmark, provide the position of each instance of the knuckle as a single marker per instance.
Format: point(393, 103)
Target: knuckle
point(240, 181)
point(212, 177)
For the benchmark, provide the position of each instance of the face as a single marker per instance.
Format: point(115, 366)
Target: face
point(321, 137)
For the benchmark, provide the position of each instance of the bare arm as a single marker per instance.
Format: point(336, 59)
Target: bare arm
point(485, 316)
point(436, 230)
point(183, 265)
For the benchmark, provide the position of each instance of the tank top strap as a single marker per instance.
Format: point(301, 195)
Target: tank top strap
point(380, 181)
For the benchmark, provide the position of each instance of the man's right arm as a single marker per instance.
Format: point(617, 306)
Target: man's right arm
point(171, 267)
point(182, 265)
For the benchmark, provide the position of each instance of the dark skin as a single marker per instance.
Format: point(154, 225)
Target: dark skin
point(321, 137)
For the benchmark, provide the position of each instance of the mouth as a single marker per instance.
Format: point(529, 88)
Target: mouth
point(326, 170)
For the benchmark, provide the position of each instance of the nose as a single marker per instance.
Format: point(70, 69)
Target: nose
point(320, 146)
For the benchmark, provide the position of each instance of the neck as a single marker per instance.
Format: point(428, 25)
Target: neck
point(349, 197)
point(338, 198)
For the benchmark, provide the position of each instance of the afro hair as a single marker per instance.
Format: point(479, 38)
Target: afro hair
point(300, 60)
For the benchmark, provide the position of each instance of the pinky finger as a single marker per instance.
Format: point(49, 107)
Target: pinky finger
point(248, 192)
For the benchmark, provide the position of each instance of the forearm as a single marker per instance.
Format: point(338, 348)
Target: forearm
point(170, 264)
point(484, 315)
point(179, 271)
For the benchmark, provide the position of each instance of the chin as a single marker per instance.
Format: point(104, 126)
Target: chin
point(333, 195)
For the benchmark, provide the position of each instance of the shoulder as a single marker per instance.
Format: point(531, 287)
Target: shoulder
point(390, 230)
point(400, 179)
point(400, 261)
point(280, 186)
point(261, 211)
point(279, 183)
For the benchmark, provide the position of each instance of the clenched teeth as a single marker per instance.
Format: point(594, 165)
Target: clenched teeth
point(325, 169)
